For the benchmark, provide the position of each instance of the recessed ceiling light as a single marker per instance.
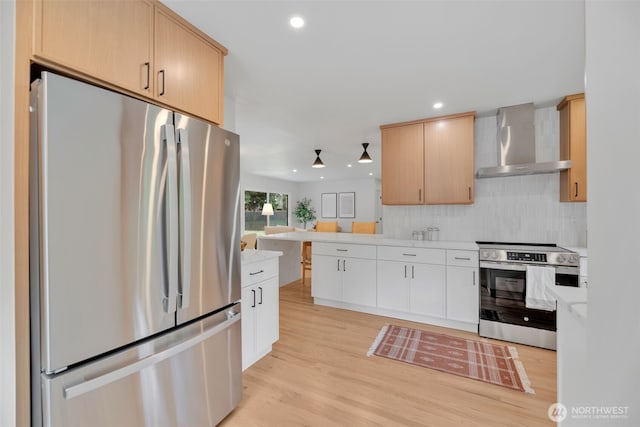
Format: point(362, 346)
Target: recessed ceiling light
point(322, 177)
point(370, 173)
point(349, 165)
point(437, 105)
point(296, 22)
point(295, 170)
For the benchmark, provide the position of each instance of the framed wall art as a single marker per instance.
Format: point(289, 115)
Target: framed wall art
point(328, 205)
point(347, 207)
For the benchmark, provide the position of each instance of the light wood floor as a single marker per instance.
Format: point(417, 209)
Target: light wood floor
point(319, 375)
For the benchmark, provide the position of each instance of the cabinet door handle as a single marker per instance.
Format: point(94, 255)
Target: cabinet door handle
point(257, 272)
point(162, 91)
point(342, 250)
point(413, 268)
point(148, 66)
point(474, 278)
point(253, 291)
point(462, 258)
point(338, 265)
point(420, 194)
point(469, 193)
point(344, 265)
point(405, 271)
point(260, 287)
point(409, 255)
point(576, 183)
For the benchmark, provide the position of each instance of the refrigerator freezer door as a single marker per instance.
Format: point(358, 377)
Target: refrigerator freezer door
point(102, 223)
point(188, 377)
point(209, 163)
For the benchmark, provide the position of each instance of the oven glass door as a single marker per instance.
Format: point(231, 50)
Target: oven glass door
point(502, 299)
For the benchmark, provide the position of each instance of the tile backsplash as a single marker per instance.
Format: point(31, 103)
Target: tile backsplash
point(513, 209)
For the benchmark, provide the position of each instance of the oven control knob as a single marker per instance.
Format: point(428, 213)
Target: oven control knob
point(485, 254)
point(573, 259)
point(561, 259)
point(494, 254)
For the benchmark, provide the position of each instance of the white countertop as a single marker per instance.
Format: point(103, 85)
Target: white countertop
point(572, 299)
point(369, 239)
point(252, 255)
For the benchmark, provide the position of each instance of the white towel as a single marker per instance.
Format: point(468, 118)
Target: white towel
point(538, 278)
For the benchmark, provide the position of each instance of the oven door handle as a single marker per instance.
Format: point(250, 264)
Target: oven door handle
point(501, 266)
point(560, 269)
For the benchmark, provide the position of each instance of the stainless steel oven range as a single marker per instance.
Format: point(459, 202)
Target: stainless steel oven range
point(503, 290)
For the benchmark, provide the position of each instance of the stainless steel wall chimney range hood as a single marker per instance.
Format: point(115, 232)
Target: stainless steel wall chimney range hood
point(517, 151)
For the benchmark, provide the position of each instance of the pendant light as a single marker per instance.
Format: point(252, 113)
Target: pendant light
point(365, 158)
point(317, 163)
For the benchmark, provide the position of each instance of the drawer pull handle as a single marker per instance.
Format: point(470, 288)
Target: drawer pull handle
point(462, 258)
point(257, 272)
point(342, 250)
point(409, 254)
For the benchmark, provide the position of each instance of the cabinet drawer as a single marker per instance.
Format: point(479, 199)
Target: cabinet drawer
point(344, 250)
point(258, 271)
point(462, 258)
point(404, 254)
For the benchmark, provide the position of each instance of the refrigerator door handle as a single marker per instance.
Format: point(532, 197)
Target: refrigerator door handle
point(171, 206)
point(118, 374)
point(185, 218)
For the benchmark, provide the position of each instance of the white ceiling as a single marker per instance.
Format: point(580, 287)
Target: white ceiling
point(359, 64)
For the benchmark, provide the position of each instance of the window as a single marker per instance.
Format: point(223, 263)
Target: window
point(254, 221)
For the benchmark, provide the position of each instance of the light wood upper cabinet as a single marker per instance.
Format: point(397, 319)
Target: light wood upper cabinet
point(573, 146)
point(428, 161)
point(188, 69)
point(403, 165)
point(449, 161)
point(139, 46)
point(108, 40)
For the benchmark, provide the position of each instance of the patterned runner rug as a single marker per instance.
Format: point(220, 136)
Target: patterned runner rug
point(492, 363)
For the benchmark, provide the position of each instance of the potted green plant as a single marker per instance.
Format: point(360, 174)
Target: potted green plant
point(304, 212)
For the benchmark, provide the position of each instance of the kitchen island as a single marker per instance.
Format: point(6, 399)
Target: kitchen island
point(434, 282)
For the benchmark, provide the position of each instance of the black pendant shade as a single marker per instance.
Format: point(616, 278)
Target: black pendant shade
point(317, 163)
point(365, 158)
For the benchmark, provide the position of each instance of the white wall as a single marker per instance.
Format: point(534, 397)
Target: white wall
point(512, 209)
point(7, 277)
point(366, 199)
point(230, 115)
point(252, 182)
point(613, 144)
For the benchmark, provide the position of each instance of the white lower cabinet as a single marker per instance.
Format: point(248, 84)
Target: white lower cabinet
point(414, 288)
point(260, 310)
point(463, 286)
point(344, 273)
point(431, 285)
point(412, 280)
point(428, 284)
point(326, 278)
point(463, 294)
point(394, 290)
point(345, 279)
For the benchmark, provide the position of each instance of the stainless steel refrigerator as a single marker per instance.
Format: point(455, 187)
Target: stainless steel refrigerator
point(135, 262)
